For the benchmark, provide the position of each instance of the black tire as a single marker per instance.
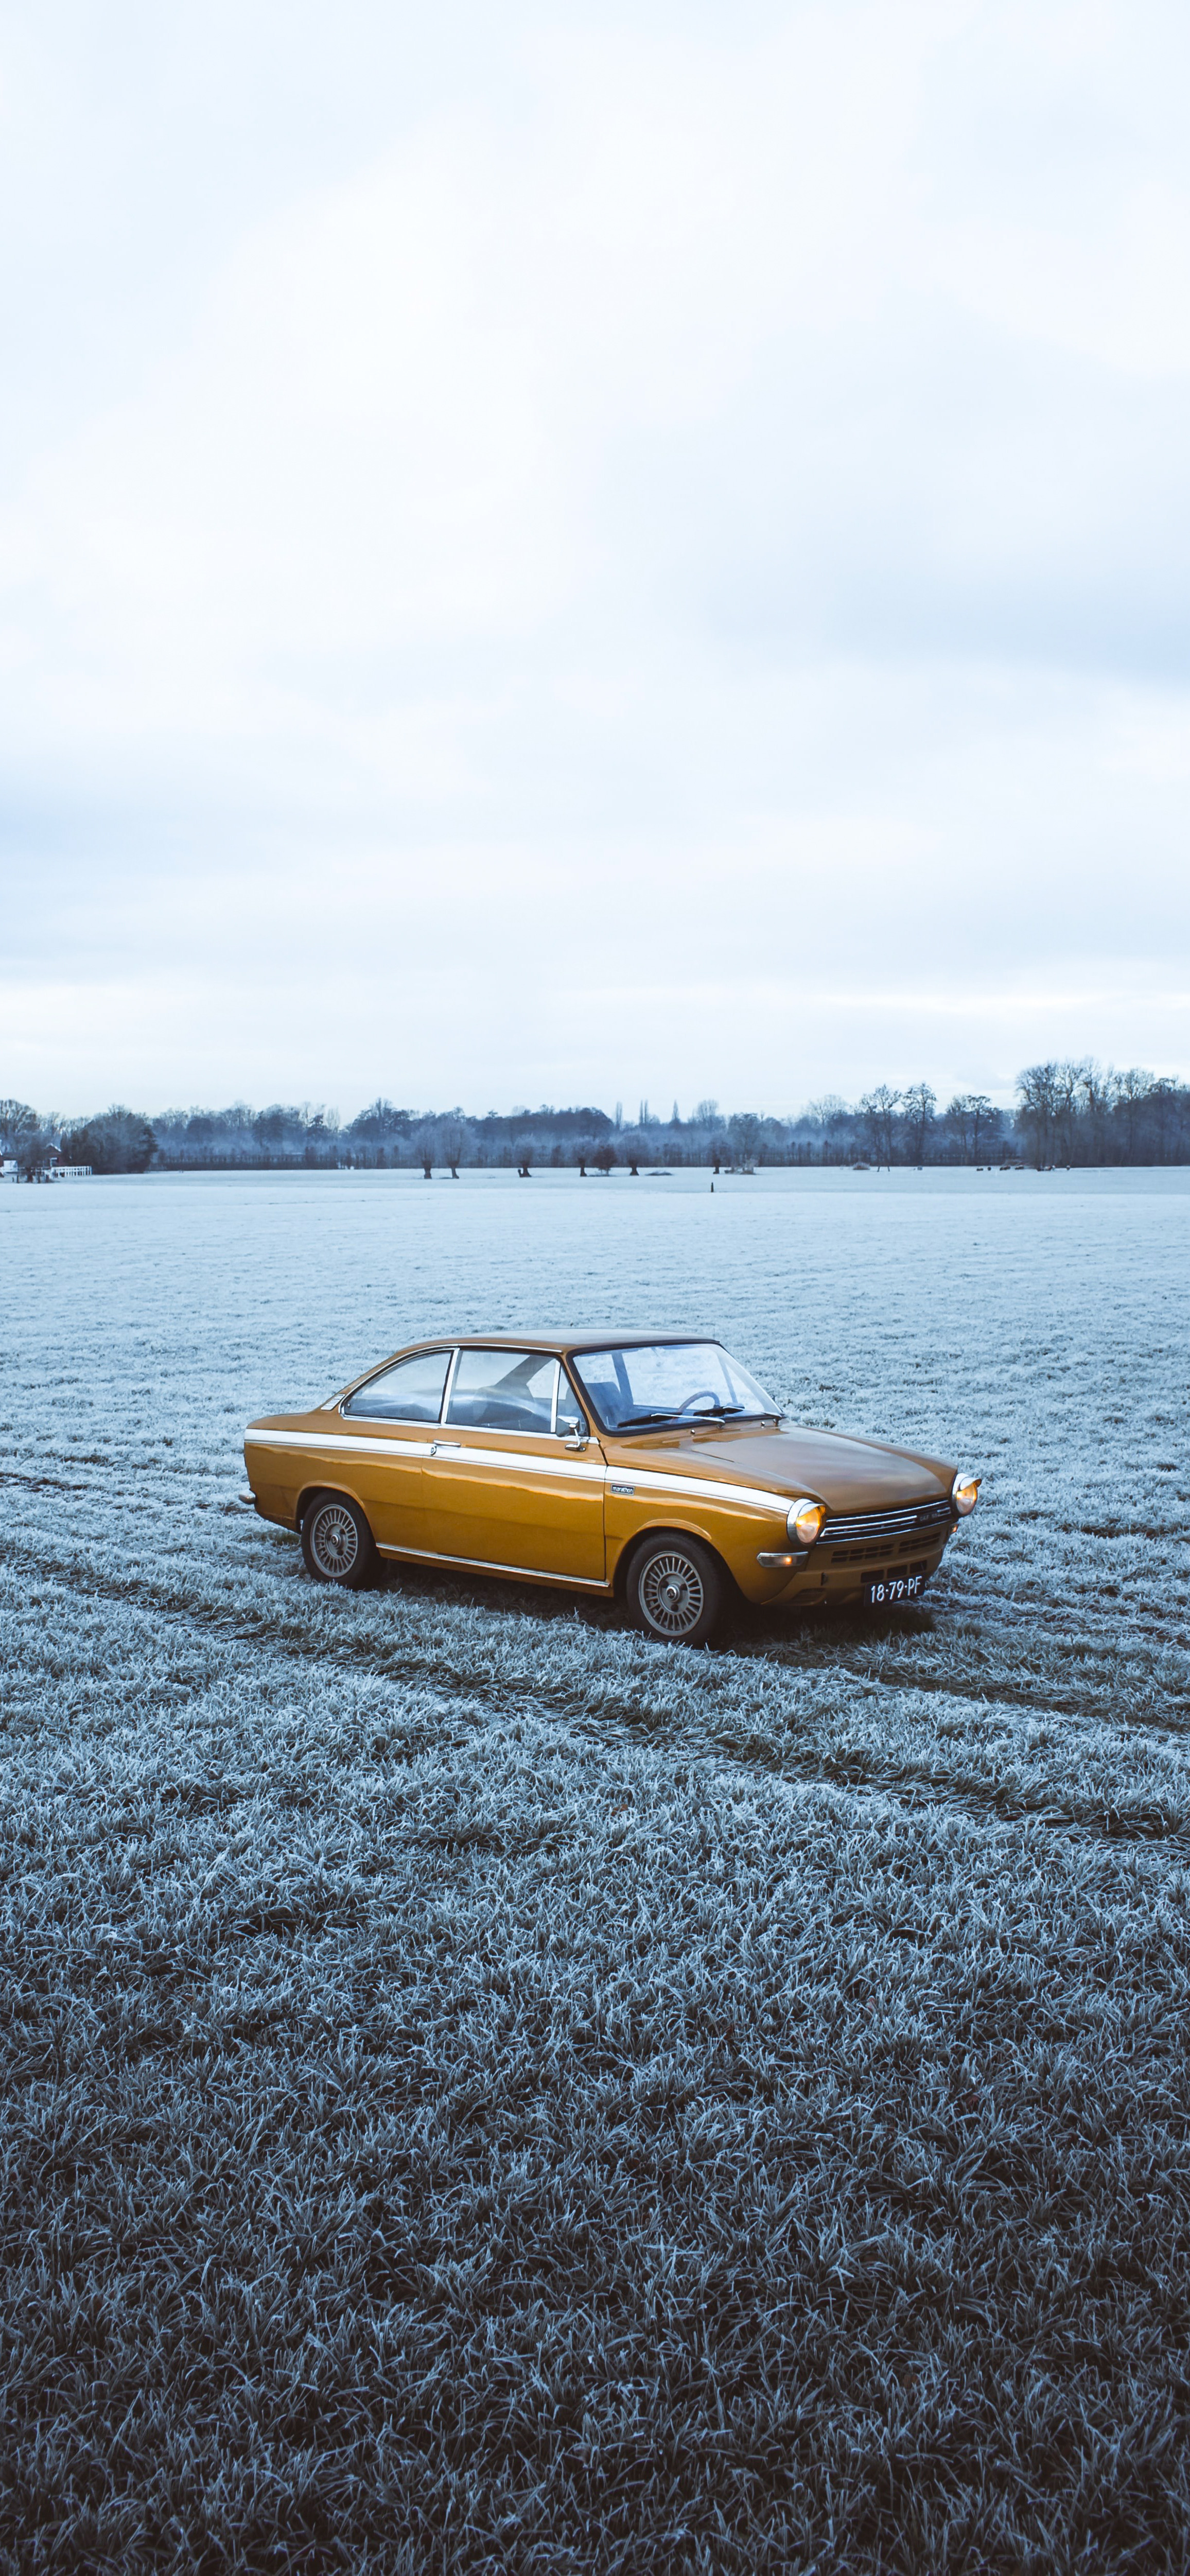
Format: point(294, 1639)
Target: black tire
point(675, 1589)
point(337, 1543)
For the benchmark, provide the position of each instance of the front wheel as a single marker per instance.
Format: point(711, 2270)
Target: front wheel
point(337, 1543)
point(676, 1590)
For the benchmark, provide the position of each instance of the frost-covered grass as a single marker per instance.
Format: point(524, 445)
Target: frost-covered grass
point(484, 2092)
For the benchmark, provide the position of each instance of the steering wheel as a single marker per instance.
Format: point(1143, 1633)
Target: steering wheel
point(697, 1398)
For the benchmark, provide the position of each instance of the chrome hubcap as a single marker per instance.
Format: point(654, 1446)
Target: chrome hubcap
point(671, 1594)
point(334, 1541)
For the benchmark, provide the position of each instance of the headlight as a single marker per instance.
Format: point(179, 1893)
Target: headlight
point(804, 1522)
point(964, 1493)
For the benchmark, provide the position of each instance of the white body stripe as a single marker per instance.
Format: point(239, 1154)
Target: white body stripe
point(350, 1445)
point(342, 1443)
point(575, 1468)
point(752, 1498)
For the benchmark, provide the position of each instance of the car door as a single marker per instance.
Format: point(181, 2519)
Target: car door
point(505, 1488)
point(382, 1443)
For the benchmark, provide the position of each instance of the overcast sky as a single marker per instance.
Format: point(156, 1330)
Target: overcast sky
point(551, 554)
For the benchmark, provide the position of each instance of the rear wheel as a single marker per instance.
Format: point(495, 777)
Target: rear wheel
point(337, 1543)
point(676, 1590)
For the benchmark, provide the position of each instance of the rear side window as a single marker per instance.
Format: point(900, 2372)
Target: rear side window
point(410, 1391)
point(504, 1390)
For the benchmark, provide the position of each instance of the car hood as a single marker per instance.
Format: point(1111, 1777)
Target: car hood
point(833, 1467)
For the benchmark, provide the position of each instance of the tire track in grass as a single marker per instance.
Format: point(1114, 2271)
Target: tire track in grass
point(1127, 1674)
point(1035, 1696)
point(1128, 1681)
point(475, 1690)
point(602, 1707)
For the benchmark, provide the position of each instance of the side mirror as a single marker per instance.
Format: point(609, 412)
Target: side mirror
point(577, 1436)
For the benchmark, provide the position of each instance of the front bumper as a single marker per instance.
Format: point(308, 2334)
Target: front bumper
point(859, 1548)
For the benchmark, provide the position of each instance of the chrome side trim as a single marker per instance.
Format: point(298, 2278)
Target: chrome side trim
point(488, 1565)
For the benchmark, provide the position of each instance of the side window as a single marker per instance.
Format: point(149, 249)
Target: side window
point(410, 1391)
point(504, 1390)
point(570, 1415)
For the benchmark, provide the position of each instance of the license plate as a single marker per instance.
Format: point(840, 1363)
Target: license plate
point(885, 1590)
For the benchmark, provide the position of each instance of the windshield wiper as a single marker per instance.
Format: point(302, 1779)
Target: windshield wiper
point(709, 1413)
point(719, 1413)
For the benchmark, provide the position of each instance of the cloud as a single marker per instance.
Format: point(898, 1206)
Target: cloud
point(660, 541)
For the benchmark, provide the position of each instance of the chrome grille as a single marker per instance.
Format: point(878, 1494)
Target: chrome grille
point(885, 1525)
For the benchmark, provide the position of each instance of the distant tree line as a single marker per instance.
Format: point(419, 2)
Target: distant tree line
point(1066, 1112)
point(115, 1140)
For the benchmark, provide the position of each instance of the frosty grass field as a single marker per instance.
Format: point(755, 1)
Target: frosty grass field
point(485, 2092)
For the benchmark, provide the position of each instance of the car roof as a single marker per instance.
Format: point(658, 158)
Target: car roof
point(557, 1338)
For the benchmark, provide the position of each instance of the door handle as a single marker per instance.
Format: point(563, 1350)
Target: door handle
point(448, 1448)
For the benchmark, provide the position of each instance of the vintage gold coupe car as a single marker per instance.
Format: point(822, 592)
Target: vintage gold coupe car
point(645, 1466)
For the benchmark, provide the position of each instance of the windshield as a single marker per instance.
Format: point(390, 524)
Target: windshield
point(651, 1382)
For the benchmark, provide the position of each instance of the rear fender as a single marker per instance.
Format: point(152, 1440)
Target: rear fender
point(326, 1485)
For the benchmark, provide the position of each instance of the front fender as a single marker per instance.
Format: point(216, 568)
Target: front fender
point(736, 1549)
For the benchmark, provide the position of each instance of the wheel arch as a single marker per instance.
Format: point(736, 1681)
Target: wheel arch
point(325, 1485)
point(664, 1530)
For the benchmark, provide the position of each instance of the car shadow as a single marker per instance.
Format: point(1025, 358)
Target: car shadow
point(760, 1635)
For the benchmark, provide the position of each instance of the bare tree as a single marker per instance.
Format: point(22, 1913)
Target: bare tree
point(1100, 1086)
point(425, 1146)
point(986, 1122)
point(24, 1137)
point(1070, 1091)
point(744, 1132)
point(119, 1140)
point(1162, 1104)
point(972, 1122)
point(879, 1109)
point(975, 1124)
point(1132, 1090)
point(1037, 1090)
point(960, 1124)
point(918, 1105)
point(454, 1137)
point(718, 1149)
